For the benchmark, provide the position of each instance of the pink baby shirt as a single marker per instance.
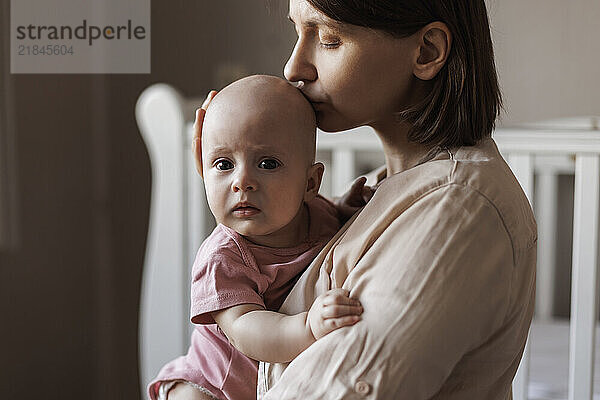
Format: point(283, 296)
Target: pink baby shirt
point(230, 270)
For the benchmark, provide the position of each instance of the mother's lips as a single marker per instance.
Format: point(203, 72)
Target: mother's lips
point(313, 97)
point(316, 104)
point(315, 100)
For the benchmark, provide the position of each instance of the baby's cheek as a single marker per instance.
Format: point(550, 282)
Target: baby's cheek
point(215, 203)
point(291, 203)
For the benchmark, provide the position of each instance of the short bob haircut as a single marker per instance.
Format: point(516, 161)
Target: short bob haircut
point(465, 99)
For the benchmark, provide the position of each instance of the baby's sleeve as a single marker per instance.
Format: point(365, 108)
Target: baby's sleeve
point(223, 276)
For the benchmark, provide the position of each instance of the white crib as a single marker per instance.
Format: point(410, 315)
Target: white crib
point(180, 219)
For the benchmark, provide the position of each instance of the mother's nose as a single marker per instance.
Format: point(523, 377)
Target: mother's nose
point(300, 66)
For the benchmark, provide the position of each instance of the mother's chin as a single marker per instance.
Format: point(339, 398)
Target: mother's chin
point(331, 121)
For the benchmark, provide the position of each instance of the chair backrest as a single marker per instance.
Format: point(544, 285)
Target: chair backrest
point(178, 223)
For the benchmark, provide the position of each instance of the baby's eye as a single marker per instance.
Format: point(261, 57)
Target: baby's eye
point(269, 163)
point(224, 165)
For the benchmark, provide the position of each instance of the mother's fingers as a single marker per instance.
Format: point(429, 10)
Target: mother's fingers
point(196, 142)
point(359, 183)
point(208, 99)
point(357, 188)
point(367, 193)
point(200, 112)
point(197, 152)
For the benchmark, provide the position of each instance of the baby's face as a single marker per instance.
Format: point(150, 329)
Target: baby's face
point(256, 164)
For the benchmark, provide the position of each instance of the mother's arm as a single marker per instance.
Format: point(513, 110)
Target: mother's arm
point(435, 285)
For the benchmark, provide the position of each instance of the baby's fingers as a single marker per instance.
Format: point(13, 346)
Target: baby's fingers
point(339, 296)
point(336, 311)
point(336, 323)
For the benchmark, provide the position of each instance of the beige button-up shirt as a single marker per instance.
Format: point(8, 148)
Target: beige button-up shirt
point(443, 261)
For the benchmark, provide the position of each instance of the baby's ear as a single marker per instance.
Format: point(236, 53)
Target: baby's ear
point(313, 183)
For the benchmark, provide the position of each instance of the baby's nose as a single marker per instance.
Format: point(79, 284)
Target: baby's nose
point(244, 182)
point(243, 188)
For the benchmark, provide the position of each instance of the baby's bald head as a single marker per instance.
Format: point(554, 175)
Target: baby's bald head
point(267, 104)
point(258, 149)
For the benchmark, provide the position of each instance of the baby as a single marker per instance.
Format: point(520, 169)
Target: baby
point(262, 183)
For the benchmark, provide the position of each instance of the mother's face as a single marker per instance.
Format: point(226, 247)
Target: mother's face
point(352, 75)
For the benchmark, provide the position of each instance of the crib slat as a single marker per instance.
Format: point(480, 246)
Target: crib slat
point(584, 281)
point(343, 165)
point(522, 167)
point(521, 380)
point(546, 216)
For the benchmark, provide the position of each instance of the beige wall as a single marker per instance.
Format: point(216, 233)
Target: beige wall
point(548, 57)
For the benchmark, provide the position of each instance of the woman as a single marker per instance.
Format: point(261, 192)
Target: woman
point(443, 256)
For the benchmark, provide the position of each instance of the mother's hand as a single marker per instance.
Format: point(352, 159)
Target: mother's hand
point(197, 142)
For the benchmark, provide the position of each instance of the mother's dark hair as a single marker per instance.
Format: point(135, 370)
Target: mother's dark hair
point(465, 98)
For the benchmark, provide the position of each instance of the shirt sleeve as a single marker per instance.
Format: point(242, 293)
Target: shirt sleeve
point(434, 285)
point(223, 276)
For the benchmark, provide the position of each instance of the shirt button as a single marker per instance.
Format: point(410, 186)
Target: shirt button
point(362, 388)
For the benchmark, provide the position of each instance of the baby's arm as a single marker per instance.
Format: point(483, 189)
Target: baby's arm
point(273, 337)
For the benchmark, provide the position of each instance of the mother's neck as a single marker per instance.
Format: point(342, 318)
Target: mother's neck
point(400, 154)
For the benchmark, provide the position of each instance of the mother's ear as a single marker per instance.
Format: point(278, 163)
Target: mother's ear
point(313, 182)
point(435, 42)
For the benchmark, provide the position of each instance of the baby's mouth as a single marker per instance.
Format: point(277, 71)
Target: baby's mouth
point(245, 210)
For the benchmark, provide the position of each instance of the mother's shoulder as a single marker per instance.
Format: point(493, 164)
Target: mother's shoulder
point(482, 168)
point(479, 168)
point(481, 171)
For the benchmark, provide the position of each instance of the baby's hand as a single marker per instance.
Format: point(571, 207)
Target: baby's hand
point(353, 199)
point(333, 310)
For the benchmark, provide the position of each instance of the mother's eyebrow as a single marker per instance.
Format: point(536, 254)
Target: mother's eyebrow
point(314, 22)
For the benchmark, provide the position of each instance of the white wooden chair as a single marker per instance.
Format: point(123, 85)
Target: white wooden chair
point(179, 220)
